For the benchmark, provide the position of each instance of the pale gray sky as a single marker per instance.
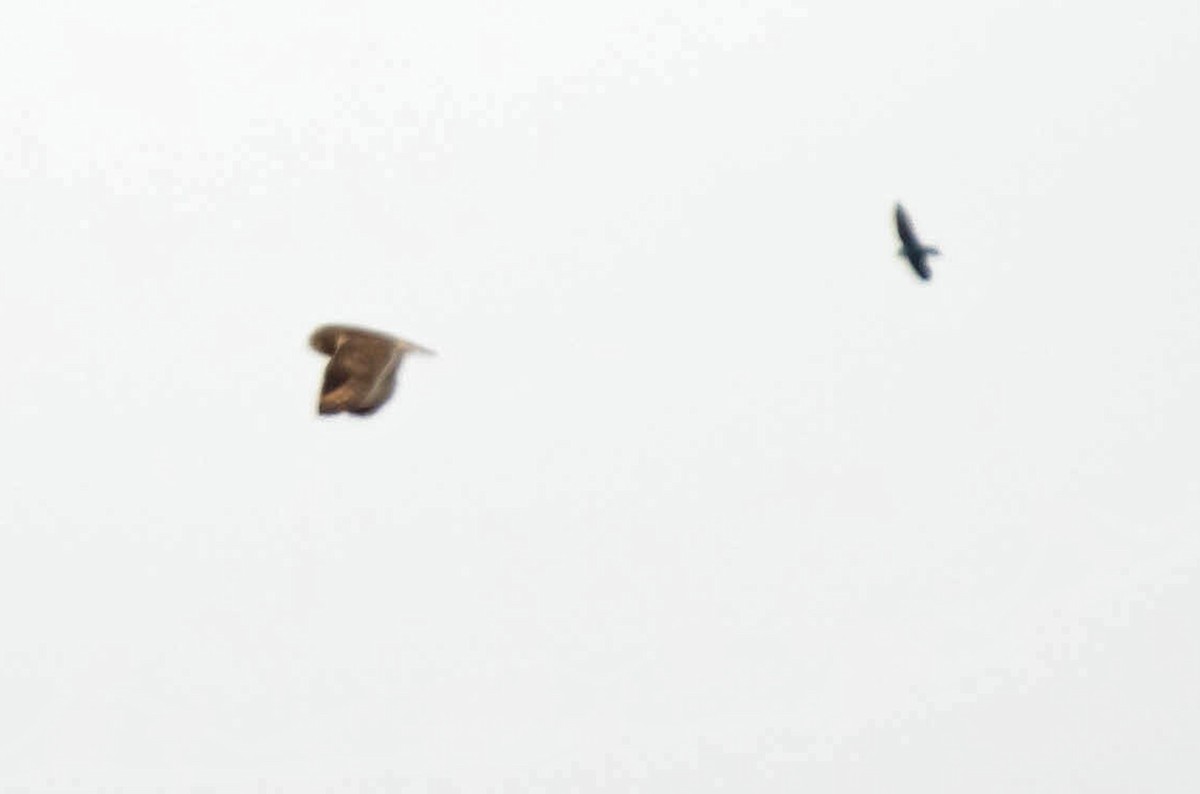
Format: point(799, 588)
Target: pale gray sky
point(704, 491)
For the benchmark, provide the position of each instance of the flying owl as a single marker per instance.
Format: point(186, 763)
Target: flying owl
point(361, 373)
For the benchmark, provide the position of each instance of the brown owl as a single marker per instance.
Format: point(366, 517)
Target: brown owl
point(361, 373)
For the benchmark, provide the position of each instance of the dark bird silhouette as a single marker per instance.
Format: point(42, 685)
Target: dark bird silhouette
point(911, 248)
point(361, 373)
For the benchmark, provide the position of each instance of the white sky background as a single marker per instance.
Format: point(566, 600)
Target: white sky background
point(704, 490)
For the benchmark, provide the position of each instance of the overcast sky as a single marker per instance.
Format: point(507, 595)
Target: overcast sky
point(704, 491)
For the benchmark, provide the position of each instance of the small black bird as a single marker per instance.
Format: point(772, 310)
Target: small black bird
point(912, 250)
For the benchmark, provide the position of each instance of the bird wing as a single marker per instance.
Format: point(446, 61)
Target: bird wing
point(328, 338)
point(905, 230)
point(919, 265)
